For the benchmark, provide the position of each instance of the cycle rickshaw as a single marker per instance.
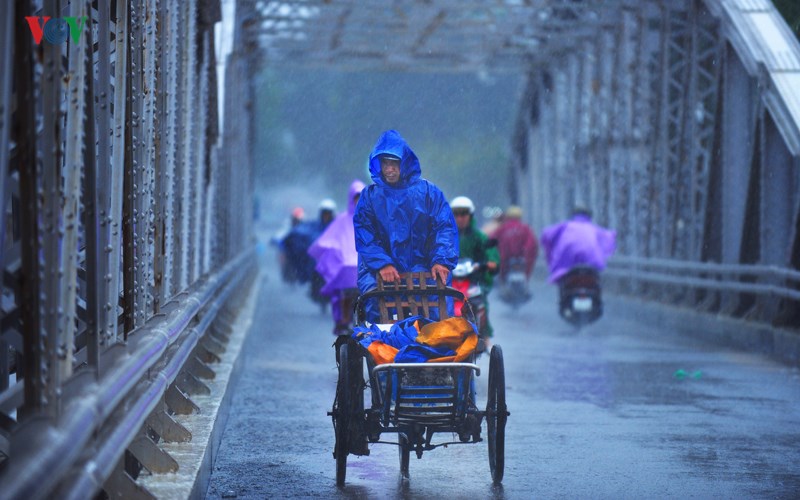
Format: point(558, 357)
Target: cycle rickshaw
point(415, 401)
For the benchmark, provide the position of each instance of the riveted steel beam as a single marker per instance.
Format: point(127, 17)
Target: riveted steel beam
point(92, 120)
point(495, 34)
point(6, 86)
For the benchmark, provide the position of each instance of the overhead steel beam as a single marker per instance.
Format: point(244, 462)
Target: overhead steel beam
point(466, 35)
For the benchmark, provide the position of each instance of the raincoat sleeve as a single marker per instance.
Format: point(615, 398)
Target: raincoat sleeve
point(531, 252)
point(368, 236)
point(549, 236)
point(493, 255)
point(445, 242)
point(607, 241)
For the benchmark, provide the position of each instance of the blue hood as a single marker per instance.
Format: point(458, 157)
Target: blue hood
point(391, 142)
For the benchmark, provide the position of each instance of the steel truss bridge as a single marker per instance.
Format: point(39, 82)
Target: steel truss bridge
point(126, 168)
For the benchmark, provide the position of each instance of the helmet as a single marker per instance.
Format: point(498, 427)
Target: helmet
point(514, 212)
point(327, 204)
point(581, 210)
point(492, 212)
point(462, 202)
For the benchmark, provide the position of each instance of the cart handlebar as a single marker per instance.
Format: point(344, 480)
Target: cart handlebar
point(448, 291)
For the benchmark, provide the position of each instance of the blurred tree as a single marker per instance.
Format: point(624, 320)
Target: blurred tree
point(790, 9)
point(323, 123)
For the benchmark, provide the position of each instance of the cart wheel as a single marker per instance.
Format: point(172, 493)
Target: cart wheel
point(342, 413)
point(496, 414)
point(405, 454)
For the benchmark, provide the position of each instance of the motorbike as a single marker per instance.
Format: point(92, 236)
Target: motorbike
point(580, 294)
point(348, 298)
point(514, 288)
point(347, 302)
point(466, 279)
point(317, 282)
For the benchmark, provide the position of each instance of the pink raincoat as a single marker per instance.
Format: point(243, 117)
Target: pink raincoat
point(335, 251)
point(516, 239)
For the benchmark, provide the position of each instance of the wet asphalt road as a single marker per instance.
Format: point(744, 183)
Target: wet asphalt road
point(620, 409)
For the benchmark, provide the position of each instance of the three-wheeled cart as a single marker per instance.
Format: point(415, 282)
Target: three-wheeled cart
point(415, 401)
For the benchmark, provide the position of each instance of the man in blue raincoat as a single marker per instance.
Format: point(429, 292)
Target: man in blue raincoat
point(403, 222)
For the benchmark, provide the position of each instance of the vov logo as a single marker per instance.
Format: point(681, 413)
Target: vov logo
point(56, 30)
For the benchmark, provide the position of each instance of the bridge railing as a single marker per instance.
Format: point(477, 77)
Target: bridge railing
point(126, 406)
point(757, 292)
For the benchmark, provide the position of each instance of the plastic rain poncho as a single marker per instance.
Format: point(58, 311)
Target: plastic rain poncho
point(335, 251)
point(408, 225)
point(577, 241)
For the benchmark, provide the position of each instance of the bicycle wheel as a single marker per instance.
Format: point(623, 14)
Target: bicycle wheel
point(496, 414)
point(405, 454)
point(342, 414)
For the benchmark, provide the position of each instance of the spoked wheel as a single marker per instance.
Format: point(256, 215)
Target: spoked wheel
point(341, 419)
point(496, 414)
point(348, 413)
point(405, 454)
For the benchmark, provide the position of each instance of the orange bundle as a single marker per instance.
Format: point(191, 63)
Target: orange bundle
point(454, 333)
point(381, 352)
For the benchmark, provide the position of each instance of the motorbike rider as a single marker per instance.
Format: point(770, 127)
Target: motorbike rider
point(473, 244)
point(296, 243)
point(577, 241)
point(493, 217)
point(403, 222)
point(336, 257)
point(288, 271)
point(515, 240)
point(327, 212)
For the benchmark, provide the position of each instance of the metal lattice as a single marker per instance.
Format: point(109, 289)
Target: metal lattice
point(688, 161)
point(110, 153)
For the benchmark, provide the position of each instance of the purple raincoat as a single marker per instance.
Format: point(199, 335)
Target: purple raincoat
point(335, 251)
point(577, 241)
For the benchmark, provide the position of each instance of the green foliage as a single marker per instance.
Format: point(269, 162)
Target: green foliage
point(323, 124)
point(790, 9)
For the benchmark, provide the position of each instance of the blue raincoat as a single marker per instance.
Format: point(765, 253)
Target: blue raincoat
point(295, 247)
point(409, 225)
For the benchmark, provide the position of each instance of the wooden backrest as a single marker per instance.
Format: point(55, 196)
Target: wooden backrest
point(414, 297)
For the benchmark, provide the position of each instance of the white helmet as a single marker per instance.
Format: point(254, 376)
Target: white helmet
point(327, 204)
point(462, 202)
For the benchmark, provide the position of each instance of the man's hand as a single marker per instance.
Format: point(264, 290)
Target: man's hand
point(389, 273)
point(491, 266)
point(440, 271)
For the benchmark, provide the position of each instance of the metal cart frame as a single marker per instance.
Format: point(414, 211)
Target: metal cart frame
point(414, 400)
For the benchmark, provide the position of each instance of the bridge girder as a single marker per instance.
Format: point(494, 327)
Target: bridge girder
point(419, 35)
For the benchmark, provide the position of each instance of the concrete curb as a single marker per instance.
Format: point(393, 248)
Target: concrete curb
point(196, 457)
point(780, 344)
